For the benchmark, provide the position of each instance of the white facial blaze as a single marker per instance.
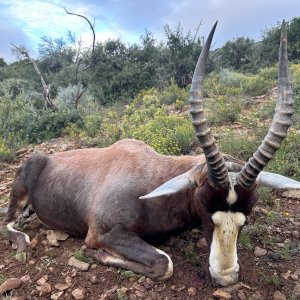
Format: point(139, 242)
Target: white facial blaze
point(223, 261)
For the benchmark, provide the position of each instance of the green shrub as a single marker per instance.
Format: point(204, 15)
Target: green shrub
point(166, 134)
point(51, 124)
point(238, 145)
point(222, 110)
point(287, 159)
point(5, 153)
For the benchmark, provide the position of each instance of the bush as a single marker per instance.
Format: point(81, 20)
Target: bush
point(223, 110)
point(5, 153)
point(166, 134)
point(287, 159)
point(233, 84)
point(50, 124)
point(238, 145)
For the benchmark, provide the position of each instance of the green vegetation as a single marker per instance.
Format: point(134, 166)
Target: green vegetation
point(141, 91)
point(80, 256)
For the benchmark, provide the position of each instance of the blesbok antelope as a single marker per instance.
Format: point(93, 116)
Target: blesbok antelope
point(99, 194)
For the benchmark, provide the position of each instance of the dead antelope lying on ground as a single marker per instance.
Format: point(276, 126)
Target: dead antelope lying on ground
point(98, 194)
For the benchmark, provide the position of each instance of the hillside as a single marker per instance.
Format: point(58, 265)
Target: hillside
point(268, 247)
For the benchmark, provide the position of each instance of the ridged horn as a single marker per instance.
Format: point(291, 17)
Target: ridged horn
point(282, 120)
point(217, 170)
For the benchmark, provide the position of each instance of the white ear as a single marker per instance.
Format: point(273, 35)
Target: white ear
point(172, 186)
point(276, 181)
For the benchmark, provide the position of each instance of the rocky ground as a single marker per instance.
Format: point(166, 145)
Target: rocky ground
point(268, 253)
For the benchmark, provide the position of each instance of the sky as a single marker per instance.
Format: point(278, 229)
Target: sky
point(24, 22)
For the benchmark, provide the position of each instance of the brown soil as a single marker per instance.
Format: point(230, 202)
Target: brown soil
point(274, 228)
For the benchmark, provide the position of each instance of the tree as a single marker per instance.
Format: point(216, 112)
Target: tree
point(271, 38)
point(237, 54)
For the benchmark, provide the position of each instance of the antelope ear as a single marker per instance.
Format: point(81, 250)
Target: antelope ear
point(276, 181)
point(174, 185)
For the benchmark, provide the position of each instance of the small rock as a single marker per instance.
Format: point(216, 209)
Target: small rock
point(202, 243)
point(220, 294)
point(142, 279)
point(22, 151)
point(140, 295)
point(57, 295)
point(62, 286)
point(293, 194)
point(42, 280)
point(69, 280)
point(192, 291)
point(19, 298)
point(258, 252)
point(279, 296)
point(297, 272)
point(195, 231)
point(26, 279)
point(173, 288)
point(2, 267)
point(93, 279)
point(45, 289)
point(93, 266)
point(32, 262)
point(295, 277)
point(73, 262)
point(10, 284)
point(286, 275)
point(34, 243)
point(78, 294)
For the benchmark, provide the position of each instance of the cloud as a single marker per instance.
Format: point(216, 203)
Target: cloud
point(24, 22)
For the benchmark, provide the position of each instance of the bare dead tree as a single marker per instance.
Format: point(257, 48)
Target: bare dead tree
point(77, 96)
point(91, 59)
point(46, 87)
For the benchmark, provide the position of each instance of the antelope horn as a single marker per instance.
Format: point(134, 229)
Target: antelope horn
point(217, 170)
point(282, 120)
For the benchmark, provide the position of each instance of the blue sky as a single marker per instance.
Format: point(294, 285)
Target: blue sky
point(24, 22)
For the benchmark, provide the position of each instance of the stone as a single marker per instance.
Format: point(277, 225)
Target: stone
point(192, 291)
point(34, 243)
point(279, 296)
point(57, 295)
point(26, 279)
point(286, 275)
point(78, 294)
point(42, 280)
point(2, 267)
point(295, 277)
point(19, 298)
point(220, 294)
point(93, 279)
point(293, 194)
point(45, 289)
point(62, 286)
point(258, 252)
point(73, 262)
point(202, 244)
point(10, 284)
